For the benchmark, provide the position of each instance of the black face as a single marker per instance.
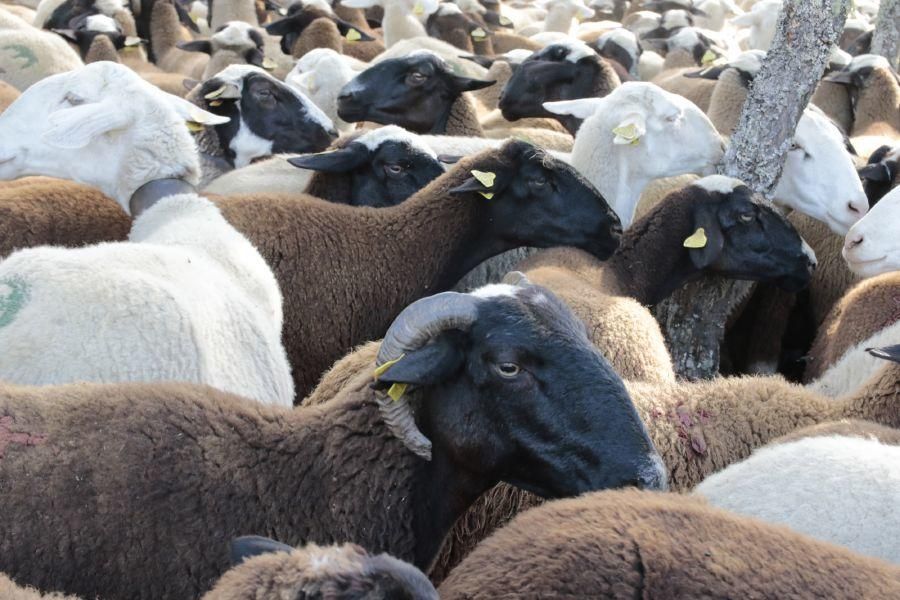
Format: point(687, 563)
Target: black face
point(879, 174)
point(544, 202)
point(271, 111)
point(524, 397)
point(547, 76)
point(619, 54)
point(746, 240)
point(387, 176)
point(65, 13)
point(299, 17)
point(415, 92)
point(84, 39)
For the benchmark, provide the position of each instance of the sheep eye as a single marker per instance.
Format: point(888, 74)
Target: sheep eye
point(73, 99)
point(746, 217)
point(673, 118)
point(415, 79)
point(393, 169)
point(538, 182)
point(508, 370)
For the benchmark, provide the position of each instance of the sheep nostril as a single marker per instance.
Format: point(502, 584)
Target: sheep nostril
point(855, 242)
point(854, 209)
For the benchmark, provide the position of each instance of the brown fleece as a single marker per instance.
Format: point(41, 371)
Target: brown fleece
point(726, 101)
point(870, 306)
point(346, 271)
point(323, 33)
point(495, 120)
point(142, 486)
point(8, 95)
point(630, 544)
point(700, 428)
point(463, 119)
point(504, 42)
point(172, 83)
point(165, 32)
point(834, 100)
point(832, 279)
point(354, 16)
point(846, 428)
point(545, 138)
point(878, 103)
point(101, 48)
point(342, 572)
point(10, 591)
point(500, 71)
point(38, 211)
point(678, 59)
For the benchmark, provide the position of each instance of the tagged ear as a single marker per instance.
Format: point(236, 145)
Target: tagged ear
point(706, 242)
point(337, 161)
point(891, 353)
point(351, 32)
point(248, 546)
point(78, 126)
point(193, 113)
point(430, 364)
point(630, 130)
point(467, 84)
point(204, 46)
point(877, 172)
point(254, 57)
point(708, 73)
point(580, 109)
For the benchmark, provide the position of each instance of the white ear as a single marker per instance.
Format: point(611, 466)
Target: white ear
point(193, 113)
point(630, 130)
point(360, 3)
point(78, 126)
point(581, 108)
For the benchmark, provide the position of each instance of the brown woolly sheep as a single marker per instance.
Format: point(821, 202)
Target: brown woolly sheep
point(166, 32)
point(190, 467)
point(697, 90)
point(631, 544)
point(504, 41)
point(306, 28)
point(500, 71)
point(10, 591)
point(345, 572)
point(870, 306)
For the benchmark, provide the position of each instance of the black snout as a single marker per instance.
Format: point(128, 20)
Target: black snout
point(351, 108)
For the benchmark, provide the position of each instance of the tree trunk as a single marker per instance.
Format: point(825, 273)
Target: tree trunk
point(694, 317)
point(886, 38)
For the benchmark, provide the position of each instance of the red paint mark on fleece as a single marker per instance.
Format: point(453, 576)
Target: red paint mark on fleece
point(8, 437)
point(688, 427)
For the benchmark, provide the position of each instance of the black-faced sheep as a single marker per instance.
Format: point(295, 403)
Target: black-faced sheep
point(486, 377)
point(631, 544)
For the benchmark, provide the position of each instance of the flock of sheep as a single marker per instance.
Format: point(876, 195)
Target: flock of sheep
point(309, 299)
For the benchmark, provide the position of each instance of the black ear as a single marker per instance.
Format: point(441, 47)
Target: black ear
point(709, 73)
point(69, 34)
point(705, 217)
point(248, 546)
point(879, 172)
point(842, 77)
point(344, 27)
point(471, 185)
point(430, 364)
point(484, 61)
point(254, 57)
point(449, 159)
point(282, 26)
point(467, 84)
point(336, 161)
point(185, 18)
point(891, 353)
point(196, 46)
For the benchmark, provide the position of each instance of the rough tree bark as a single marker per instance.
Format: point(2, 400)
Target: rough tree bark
point(886, 38)
point(694, 317)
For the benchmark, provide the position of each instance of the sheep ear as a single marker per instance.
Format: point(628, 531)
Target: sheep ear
point(283, 26)
point(878, 172)
point(580, 109)
point(185, 18)
point(360, 3)
point(891, 353)
point(429, 365)
point(78, 126)
point(706, 242)
point(69, 34)
point(248, 546)
point(204, 46)
point(585, 12)
point(630, 130)
point(337, 161)
point(485, 61)
point(193, 113)
point(842, 77)
point(708, 73)
point(346, 28)
point(254, 57)
point(467, 84)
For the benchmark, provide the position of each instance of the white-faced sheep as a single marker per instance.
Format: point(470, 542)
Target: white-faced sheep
point(838, 489)
point(761, 20)
point(403, 19)
point(638, 133)
point(320, 75)
point(630, 544)
point(187, 298)
point(870, 247)
point(213, 466)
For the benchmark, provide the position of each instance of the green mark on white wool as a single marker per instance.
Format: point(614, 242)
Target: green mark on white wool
point(20, 52)
point(13, 296)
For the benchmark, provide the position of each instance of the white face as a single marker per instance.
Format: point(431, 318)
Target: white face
point(819, 177)
point(872, 245)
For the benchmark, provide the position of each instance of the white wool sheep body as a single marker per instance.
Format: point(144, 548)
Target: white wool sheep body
point(29, 55)
point(188, 298)
point(638, 133)
point(761, 20)
point(856, 366)
point(403, 19)
point(839, 489)
point(562, 14)
point(320, 74)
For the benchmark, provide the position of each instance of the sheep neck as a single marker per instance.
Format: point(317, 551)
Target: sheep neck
point(645, 266)
point(398, 24)
point(559, 18)
point(879, 99)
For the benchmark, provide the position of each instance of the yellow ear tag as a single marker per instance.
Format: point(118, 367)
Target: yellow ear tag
point(696, 240)
point(379, 371)
point(216, 102)
point(485, 178)
point(626, 134)
point(353, 35)
point(193, 126)
point(132, 41)
point(487, 195)
point(708, 57)
point(396, 391)
point(418, 9)
point(268, 64)
point(215, 93)
point(505, 21)
point(478, 34)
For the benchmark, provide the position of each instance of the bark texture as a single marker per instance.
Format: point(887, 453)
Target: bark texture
point(886, 38)
point(694, 318)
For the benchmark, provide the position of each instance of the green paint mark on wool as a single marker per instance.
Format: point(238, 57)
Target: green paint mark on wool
point(20, 52)
point(13, 296)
